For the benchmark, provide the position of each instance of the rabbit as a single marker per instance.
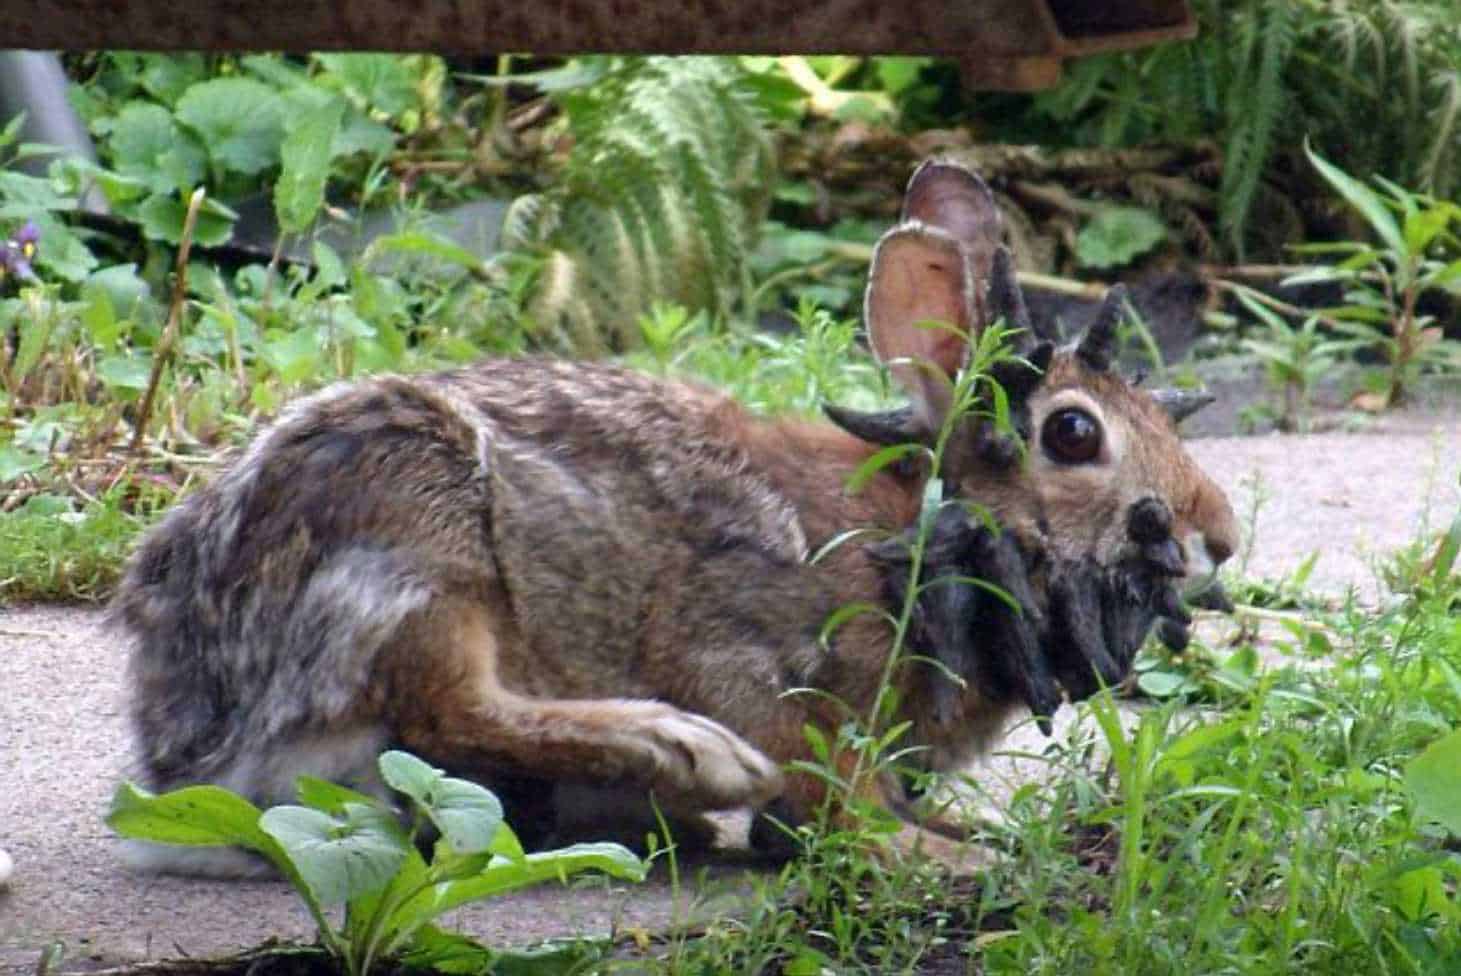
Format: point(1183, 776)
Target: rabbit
point(573, 573)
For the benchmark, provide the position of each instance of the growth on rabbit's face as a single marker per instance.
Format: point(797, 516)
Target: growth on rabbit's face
point(1109, 515)
point(559, 574)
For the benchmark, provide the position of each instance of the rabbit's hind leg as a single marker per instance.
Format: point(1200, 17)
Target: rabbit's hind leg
point(446, 703)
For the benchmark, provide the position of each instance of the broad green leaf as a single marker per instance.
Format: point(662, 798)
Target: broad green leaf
point(1422, 892)
point(123, 294)
point(339, 858)
point(142, 134)
point(1434, 779)
point(1117, 235)
point(276, 71)
point(1422, 226)
point(360, 134)
point(15, 462)
point(366, 916)
point(74, 174)
point(22, 195)
point(1362, 198)
point(897, 73)
point(327, 797)
point(167, 76)
point(163, 216)
point(1163, 684)
point(125, 372)
point(506, 844)
point(467, 814)
point(239, 120)
point(505, 875)
point(294, 356)
point(329, 269)
point(61, 252)
point(563, 957)
point(203, 816)
point(305, 154)
point(407, 774)
point(380, 81)
point(448, 952)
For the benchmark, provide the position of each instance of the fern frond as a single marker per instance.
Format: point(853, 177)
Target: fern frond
point(1262, 102)
point(660, 200)
point(1435, 176)
point(524, 225)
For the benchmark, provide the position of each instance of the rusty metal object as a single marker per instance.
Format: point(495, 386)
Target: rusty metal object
point(1010, 44)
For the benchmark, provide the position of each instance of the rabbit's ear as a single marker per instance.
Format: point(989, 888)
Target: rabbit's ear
point(919, 310)
point(930, 268)
point(949, 196)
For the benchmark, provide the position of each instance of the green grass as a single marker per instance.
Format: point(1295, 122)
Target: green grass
point(52, 548)
point(1276, 831)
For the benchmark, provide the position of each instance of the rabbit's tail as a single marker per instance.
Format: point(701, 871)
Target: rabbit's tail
point(294, 702)
point(252, 700)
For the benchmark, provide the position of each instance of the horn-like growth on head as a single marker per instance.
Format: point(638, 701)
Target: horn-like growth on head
point(1181, 404)
point(1007, 301)
point(897, 426)
point(1097, 348)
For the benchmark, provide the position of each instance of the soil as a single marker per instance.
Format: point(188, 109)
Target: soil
point(1352, 496)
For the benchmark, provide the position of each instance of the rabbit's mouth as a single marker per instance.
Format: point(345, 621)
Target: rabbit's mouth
point(1040, 627)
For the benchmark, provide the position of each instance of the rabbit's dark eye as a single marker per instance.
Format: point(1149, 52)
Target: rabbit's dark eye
point(1071, 436)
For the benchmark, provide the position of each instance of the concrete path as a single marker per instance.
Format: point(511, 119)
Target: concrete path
point(1351, 497)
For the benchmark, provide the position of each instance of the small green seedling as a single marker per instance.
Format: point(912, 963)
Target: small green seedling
point(341, 847)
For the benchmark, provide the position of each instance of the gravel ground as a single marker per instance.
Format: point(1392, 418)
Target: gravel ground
point(1352, 497)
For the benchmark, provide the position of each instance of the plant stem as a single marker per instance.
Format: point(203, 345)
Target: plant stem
point(165, 343)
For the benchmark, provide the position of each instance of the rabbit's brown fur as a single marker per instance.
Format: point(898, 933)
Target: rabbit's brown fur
point(575, 572)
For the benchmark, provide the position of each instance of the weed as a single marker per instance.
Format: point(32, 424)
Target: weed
point(345, 848)
point(1294, 359)
point(1384, 281)
point(54, 548)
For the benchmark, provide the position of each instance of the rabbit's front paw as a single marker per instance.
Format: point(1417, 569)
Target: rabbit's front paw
point(706, 764)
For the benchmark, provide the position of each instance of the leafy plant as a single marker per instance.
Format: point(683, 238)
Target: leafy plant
point(1383, 281)
point(343, 848)
point(659, 200)
point(1117, 235)
point(1259, 69)
point(168, 125)
point(1294, 358)
point(55, 548)
point(1433, 779)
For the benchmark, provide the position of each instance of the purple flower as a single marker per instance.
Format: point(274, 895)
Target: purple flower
point(17, 252)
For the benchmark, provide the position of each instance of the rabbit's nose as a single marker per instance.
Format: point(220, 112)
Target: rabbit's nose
point(1213, 523)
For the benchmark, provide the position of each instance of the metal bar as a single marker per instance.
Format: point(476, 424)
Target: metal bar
point(1016, 40)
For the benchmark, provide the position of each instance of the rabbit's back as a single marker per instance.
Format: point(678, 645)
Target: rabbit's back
point(618, 519)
